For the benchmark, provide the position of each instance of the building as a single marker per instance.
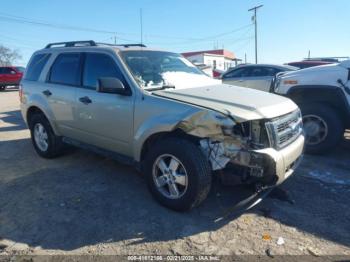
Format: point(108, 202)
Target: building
point(218, 59)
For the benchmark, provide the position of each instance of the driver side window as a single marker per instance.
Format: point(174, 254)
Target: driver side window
point(97, 66)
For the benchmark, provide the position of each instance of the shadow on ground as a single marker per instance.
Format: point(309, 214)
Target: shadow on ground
point(13, 121)
point(83, 199)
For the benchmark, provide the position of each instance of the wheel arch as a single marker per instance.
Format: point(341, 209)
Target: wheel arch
point(35, 109)
point(155, 137)
point(332, 96)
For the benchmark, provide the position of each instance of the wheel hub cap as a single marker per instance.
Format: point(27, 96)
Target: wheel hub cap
point(316, 129)
point(40, 137)
point(170, 176)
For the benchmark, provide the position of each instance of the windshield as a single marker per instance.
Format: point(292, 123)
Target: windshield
point(153, 69)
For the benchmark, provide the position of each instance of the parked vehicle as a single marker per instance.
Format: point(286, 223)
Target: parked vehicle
point(157, 111)
point(309, 63)
point(323, 94)
point(10, 76)
point(254, 76)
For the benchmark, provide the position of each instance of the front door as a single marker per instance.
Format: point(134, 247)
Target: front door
point(102, 119)
point(10, 76)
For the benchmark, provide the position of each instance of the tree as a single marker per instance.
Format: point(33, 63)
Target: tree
point(8, 56)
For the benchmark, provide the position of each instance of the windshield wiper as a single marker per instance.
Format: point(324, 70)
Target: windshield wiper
point(160, 88)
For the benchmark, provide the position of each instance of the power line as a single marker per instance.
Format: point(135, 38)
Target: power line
point(23, 20)
point(30, 21)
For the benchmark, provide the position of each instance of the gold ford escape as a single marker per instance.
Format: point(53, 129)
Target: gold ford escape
point(155, 110)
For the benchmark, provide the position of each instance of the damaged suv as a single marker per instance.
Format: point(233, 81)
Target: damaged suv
point(157, 111)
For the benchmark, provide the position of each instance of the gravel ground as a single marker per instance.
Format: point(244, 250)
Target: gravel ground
point(82, 203)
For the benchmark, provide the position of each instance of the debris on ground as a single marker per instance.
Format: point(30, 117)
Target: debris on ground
point(266, 237)
point(313, 251)
point(269, 253)
point(280, 241)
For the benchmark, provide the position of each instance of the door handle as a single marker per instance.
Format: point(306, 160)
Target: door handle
point(47, 93)
point(85, 100)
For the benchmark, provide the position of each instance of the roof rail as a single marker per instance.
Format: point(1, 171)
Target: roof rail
point(123, 45)
point(72, 44)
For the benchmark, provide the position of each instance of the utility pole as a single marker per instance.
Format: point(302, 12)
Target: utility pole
point(141, 26)
point(256, 30)
point(115, 39)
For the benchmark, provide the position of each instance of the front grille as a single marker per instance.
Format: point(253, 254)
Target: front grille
point(285, 129)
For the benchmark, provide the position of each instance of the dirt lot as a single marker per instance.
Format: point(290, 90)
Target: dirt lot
point(83, 203)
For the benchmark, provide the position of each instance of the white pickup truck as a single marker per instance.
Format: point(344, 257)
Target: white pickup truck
point(323, 95)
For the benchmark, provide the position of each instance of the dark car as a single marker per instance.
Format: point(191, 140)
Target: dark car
point(307, 64)
point(10, 76)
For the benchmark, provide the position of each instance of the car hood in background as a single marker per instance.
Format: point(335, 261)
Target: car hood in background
point(241, 103)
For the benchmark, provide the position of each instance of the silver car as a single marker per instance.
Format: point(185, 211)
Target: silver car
point(156, 111)
point(254, 76)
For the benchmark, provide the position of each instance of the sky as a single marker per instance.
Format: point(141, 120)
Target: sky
point(287, 29)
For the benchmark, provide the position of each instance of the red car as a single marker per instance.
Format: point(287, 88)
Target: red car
point(10, 76)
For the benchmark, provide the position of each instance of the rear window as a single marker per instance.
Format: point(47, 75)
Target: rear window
point(66, 69)
point(36, 66)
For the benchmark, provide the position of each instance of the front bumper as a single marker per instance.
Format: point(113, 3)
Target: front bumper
point(285, 161)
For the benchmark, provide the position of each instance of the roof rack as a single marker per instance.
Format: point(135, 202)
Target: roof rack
point(123, 45)
point(72, 44)
point(87, 43)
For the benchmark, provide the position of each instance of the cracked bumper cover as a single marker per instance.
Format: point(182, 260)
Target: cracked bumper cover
point(286, 160)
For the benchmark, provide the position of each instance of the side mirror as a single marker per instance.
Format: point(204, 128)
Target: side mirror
point(112, 85)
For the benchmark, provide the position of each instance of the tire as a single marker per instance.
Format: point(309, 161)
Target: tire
point(54, 143)
point(2, 88)
point(192, 163)
point(321, 115)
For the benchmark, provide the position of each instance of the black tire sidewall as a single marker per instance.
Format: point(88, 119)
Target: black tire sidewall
point(51, 150)
point(334, 125)
point(197, 168)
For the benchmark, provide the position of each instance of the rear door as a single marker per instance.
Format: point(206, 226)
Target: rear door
point(104, 120)
point(63, 79)
point(237, 76)
point(260, 77)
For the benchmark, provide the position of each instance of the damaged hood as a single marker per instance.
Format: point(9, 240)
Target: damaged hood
point(241, 103)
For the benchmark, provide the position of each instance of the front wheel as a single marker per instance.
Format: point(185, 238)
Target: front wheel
point(178, 174)
point(323, 128)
